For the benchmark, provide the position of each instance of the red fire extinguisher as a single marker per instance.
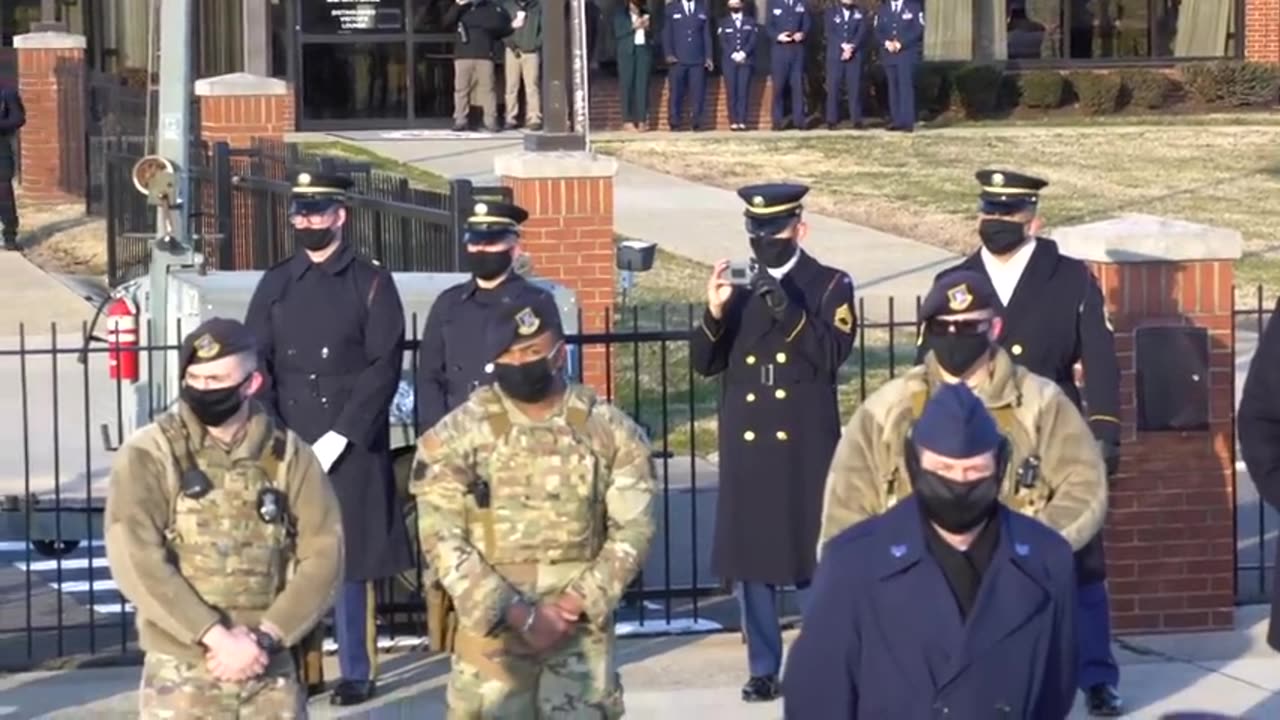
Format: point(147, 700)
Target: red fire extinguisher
point(122, 340)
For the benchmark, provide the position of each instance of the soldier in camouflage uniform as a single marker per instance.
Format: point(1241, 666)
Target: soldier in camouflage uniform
point(1055, 471)
point(223, 531)
point(535, 509)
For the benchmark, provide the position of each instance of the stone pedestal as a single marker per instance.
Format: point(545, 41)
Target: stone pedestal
point(51, 78)
point(1170, 534)
point(569, 233)
point(239, 107)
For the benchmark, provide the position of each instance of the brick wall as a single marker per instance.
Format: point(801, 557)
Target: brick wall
point(1170, 533)
point(1262, 30)
point(606, 107)
point(51, 78)
point(238, 119)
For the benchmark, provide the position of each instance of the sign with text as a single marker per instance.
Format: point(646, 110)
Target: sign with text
point(341, 17)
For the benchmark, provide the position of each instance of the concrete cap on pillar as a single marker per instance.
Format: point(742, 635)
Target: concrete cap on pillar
point(49, 41)
point(240, 83)
point(1137, 237)
point(530, 165)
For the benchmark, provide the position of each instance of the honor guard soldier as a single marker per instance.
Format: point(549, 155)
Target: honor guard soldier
point(899, 28)
point(13, 115)
point(777, 344)
point(738, 34)
point(947, 605)
point(222, 529)
point(535, 505)
point(686, 41)
point(847, 30)
point(452, 359)
point(1055, 318)
point(787, 24)
point(1054, 473)
point(1258, 426)
point(331, 325)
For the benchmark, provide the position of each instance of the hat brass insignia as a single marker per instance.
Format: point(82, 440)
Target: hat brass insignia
point(527, 323)
point(304, 179)
point(206, 347)
point(481, 209)
point(959, 298)
point(997, 179)
point(757, 201)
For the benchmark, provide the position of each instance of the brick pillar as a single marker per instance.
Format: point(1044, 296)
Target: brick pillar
point(51, 78)
point(238, 107)
point(1262, 30)
point(1170, 533)
point(569, 233)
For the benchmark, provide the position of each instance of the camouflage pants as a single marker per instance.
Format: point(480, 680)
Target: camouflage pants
point(173, 688)
point(578, 681)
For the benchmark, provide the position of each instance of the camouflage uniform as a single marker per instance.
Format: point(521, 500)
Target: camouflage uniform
point(188, 564)
point(570, 509)
point(1069, 492)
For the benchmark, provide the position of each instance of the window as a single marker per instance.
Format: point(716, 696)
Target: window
point(16, 18)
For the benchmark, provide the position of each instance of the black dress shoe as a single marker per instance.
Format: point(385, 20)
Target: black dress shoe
point(461, 128)
point(761, 689)
point(1103, 700)
point(353, 692)
point(315, 689)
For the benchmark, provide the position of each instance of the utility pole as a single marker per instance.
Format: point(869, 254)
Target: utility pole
point(559, 81)
point(49, 18)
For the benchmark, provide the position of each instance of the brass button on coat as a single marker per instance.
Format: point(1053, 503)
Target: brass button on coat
point(751, 397)
point(1016, 349)
point(780, 394)
point(748, 436)
point(751, 359)
point(782, 435)
point(780, 357)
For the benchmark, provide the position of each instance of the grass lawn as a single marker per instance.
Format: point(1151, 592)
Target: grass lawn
point(417, 176)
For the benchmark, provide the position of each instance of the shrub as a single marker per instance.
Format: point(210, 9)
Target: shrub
point(1146, 88)
point(932, 94)
point(1041, 89)
point(1096, 93)
point(977, 89)
point(1232, 83)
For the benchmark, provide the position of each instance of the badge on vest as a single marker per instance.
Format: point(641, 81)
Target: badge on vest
point(270, 505)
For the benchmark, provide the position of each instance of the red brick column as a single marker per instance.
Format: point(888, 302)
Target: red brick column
point(238, 107)
point(1170, 533)
point(1262, 30)
point(569, 233)
point(51, 77)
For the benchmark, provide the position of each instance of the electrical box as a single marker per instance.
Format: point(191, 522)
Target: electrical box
point(1172, 378)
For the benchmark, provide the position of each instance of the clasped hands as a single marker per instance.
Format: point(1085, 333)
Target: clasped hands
point(234, 655)
point(846, 51)
point(892, 46)
point(553, 622)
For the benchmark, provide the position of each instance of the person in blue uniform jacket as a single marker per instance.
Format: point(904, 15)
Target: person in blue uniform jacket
point(738, 33)
point(776, 344)
point(331, 327)
point(787, 25)
point(1055, 317)
point(899, 29)
point(452, 361)
point(847, 29)
point(686, 43)
point(949, 604)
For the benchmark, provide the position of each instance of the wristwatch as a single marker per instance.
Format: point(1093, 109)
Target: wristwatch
point(266, 641)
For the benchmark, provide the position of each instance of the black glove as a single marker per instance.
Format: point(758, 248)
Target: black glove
point(1110, 456)
point(767, 288)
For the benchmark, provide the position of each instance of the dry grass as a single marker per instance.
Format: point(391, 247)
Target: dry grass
point(62, 239)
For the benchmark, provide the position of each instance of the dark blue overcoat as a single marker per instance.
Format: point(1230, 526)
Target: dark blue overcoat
point(883, 638)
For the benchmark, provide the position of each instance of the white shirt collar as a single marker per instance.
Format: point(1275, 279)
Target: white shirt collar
point(1005, 275)
point(780, 272)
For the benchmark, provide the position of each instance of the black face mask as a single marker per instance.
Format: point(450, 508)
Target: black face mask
point(1001, 236)
point(957, 353)
point(954, 506)
point(313, 239)
point(216, 406)
point(529, 382)
point(488, 265)
point(773, 252)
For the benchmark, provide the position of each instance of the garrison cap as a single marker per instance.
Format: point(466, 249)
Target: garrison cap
point(771, 206)
point(215, 339)
point(955, 423)
point(1005, 191)
point(317, 192)
point(491, 221)
point(525, 315)
point(959, 291)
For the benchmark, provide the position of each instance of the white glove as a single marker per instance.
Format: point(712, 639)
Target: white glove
point(329, 448)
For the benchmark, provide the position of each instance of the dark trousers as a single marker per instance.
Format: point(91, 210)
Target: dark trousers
point(633, 77)
point(759, 605)
point(8, 205)
point(737, 88)
point(786, 69)
point(691, 79)
point(354, 629)
point(1093, 637)
point(846, 76)
point(900, 76)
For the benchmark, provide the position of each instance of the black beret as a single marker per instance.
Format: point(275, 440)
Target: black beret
point(959, 291)
point(317, 192)
point(493, 220)
point(955, 423)
point(1005, 191)
point(215, 339)
point(771, 206)
point(523, 316)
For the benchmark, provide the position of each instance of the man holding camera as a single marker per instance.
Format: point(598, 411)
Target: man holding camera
point(481, 26)
point(12, 117)
point(777, 339)
point(521, 64)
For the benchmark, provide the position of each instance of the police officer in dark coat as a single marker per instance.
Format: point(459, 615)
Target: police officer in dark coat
point(947, 605)
point(452, 361)
point(776, 343)
point(13, 115)
point(1055, 317)
point(331, 327)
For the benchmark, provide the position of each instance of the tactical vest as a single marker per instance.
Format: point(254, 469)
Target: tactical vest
point(230, 556)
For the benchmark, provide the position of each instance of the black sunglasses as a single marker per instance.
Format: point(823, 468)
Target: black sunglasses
point(939, 326)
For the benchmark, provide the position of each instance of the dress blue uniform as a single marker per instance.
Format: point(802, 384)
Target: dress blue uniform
point(331, 335)
point(786, 64)
point(902, 623)
point(686, 36)
point(1055, 318)
point(738, 33)
point(845, 25)
point(777, 348)
point(903, 21)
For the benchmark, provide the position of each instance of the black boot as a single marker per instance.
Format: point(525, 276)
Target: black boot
point(761, 689)
point(1103, 700)
point(353, 692)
